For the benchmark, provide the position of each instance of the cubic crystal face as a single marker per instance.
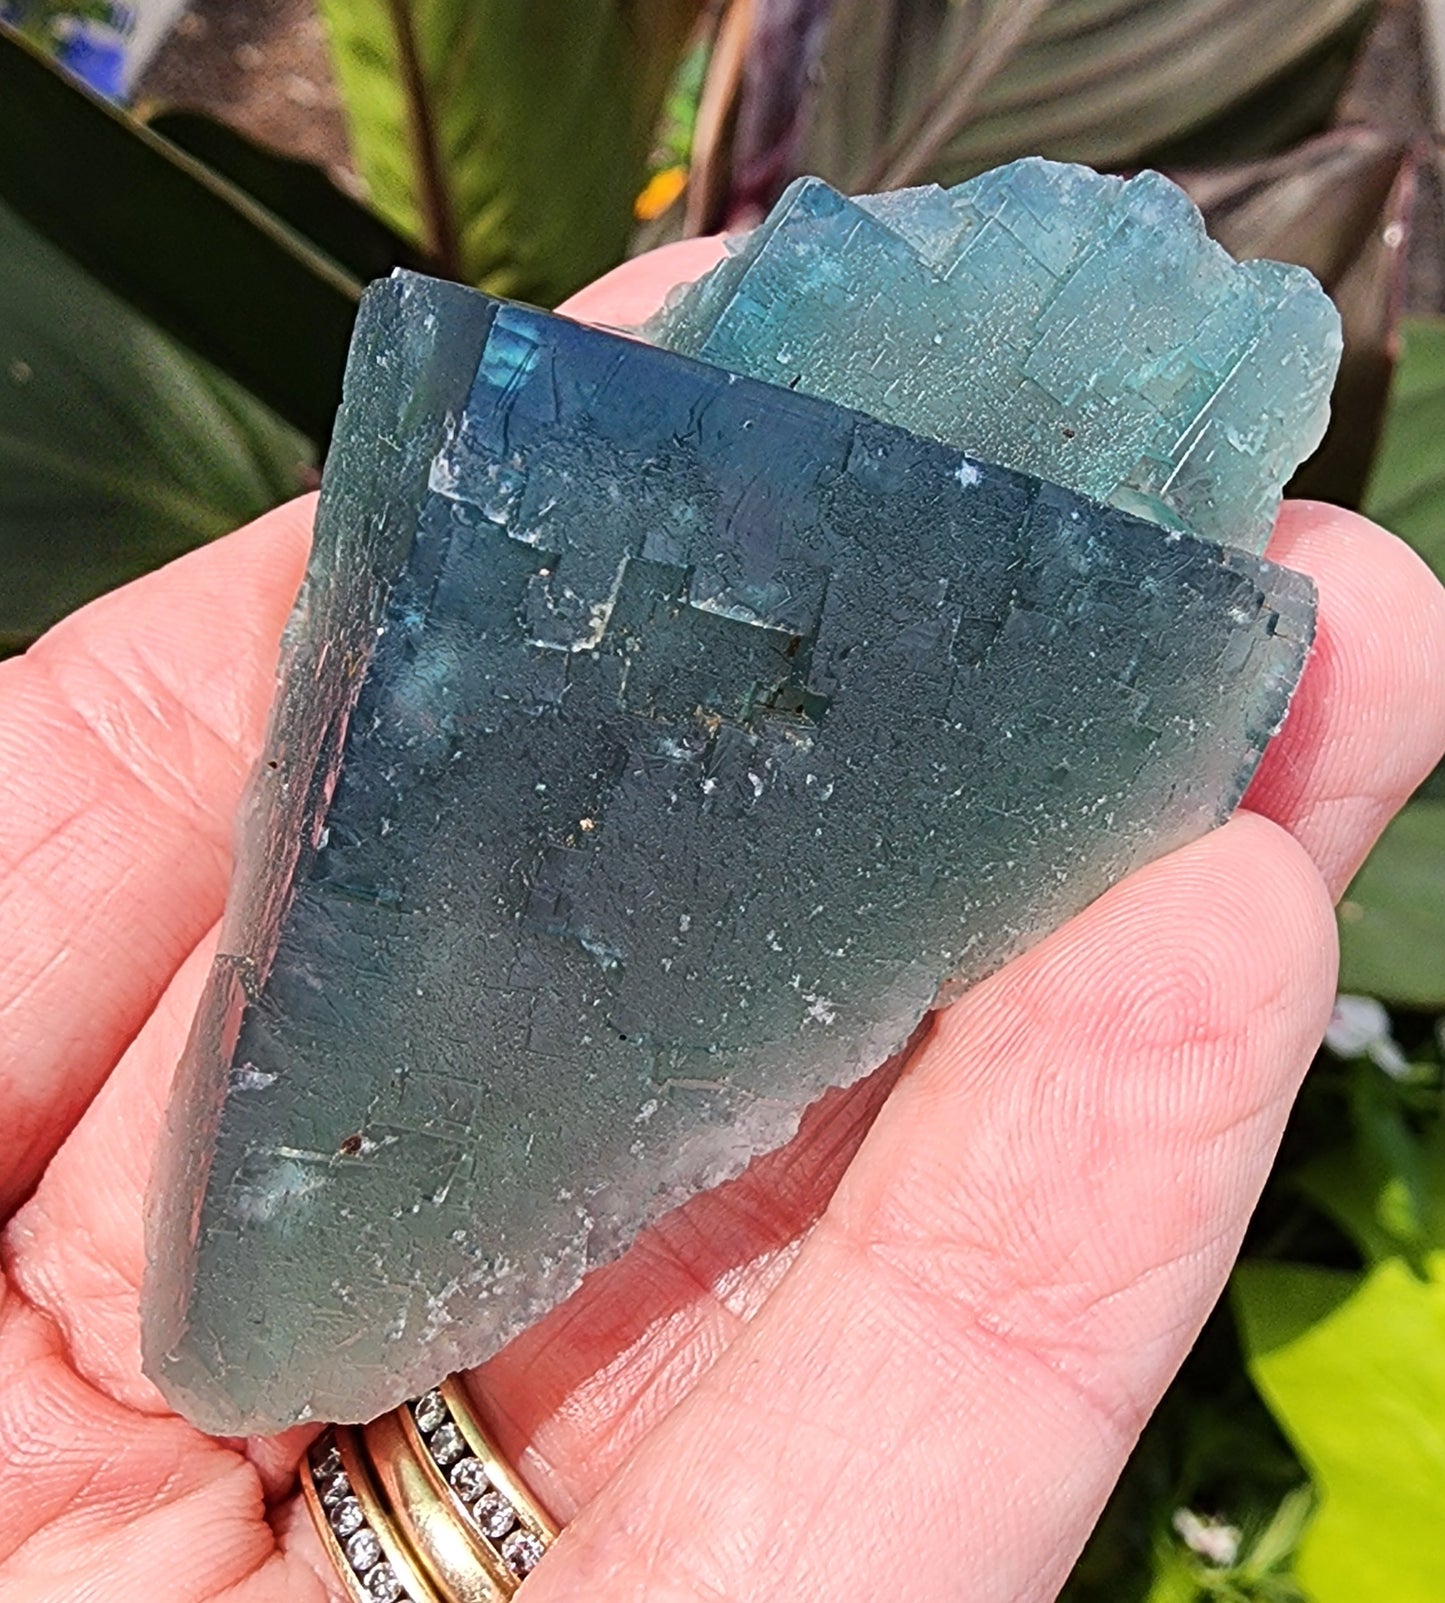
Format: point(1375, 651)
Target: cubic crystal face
point(1081, 328)
point(652, 744)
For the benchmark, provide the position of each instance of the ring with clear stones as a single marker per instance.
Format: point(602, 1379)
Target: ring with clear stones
point(419, 1506)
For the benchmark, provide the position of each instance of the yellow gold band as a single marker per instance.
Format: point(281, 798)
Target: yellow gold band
point(420, 1505)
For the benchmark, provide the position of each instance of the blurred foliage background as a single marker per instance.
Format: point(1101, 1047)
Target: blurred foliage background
point(179, 279)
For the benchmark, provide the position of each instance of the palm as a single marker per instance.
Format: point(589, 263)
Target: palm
point(940, 1379)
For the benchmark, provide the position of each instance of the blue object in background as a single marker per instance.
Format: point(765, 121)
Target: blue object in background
point(95, 53)
point(91, 41)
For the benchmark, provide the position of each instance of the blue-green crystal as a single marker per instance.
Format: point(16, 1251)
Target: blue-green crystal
point(652, 744)
point(1081, 328)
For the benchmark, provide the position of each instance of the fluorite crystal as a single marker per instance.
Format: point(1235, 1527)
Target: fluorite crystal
point(1081, 328)
point(652, 744)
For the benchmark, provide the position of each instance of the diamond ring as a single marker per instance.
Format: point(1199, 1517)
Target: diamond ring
point(420, 1505)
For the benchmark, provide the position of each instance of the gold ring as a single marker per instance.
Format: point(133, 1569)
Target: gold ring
point(420, 1505)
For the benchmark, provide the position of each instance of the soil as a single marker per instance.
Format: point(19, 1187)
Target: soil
point(261, 66)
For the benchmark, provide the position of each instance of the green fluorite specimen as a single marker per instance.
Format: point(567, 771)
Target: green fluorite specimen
point(1081, 328)
point(652, 744)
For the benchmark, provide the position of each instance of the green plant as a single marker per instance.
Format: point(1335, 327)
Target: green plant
point(173, 320)
point(509, 137)
point(503, 141)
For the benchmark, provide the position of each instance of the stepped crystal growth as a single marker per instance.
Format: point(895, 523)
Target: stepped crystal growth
point(1080, 328)
point(653, 742)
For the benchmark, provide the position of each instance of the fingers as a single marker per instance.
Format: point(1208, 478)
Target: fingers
point(630, 294)
point(571, 1396)
point(124, 737)
point(100, 1502)
point(76, 1249)
point(1368, 721)
point(950, 1375)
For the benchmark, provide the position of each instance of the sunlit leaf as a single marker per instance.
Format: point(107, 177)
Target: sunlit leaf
point(173, 240)
point(508, 137)
point(118, 449)
point(1354, 1369)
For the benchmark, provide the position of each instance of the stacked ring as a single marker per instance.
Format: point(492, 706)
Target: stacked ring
point(420, 1505)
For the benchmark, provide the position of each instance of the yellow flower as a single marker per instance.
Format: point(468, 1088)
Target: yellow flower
point(659, 192)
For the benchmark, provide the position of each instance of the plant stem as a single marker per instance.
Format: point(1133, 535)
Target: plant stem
point(438, 222)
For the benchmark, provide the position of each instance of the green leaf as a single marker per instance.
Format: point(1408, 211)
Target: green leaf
point(1387, 1190)
point(1407, 490)
point(1176, 1577)
point(118, 449)
point(1354, 1370)
point(909, 90)
point(174, 241)
point(508, 137)
point(1276, 1543)
point(1356, 1198)
point(298, 193)
point(1392, 918)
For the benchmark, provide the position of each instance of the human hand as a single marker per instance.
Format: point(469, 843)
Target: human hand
point(928, 1383)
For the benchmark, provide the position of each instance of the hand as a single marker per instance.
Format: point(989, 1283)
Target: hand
point(929, 1382)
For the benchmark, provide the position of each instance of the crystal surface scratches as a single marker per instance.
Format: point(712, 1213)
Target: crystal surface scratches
point(653, 743)
point(1078, 327)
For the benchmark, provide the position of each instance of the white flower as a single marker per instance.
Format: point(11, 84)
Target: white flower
point(1212, 1540)
point(1359, 1027)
